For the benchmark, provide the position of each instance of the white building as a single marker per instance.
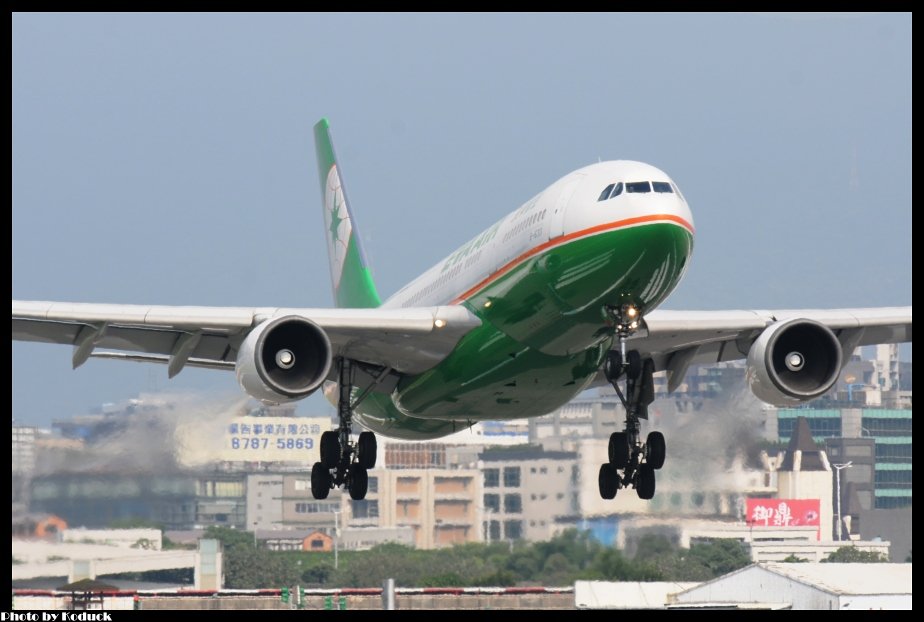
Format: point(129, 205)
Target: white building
point(805, 586)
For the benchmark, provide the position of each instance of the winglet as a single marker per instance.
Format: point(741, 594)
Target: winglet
point(349, 271)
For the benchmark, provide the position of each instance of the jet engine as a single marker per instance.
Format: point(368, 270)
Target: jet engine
point(794, 361)
point(283, 359)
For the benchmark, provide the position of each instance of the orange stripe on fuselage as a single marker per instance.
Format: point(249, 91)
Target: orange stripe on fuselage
point(608, 226)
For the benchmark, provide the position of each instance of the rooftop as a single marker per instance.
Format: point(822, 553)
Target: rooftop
point(848, 578)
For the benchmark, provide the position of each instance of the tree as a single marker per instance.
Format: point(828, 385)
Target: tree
point(318, 575)
point(653, 545)
point(612, 565)
point(852, 555)
point(230, 538)
point(720, 556)
point(248, 568)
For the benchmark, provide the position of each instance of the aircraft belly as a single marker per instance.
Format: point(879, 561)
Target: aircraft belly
point(492, 376)
point(379, 414)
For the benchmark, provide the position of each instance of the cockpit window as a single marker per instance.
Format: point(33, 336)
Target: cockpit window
point(617, 190)
point(606, 193)
point(638, 186)
point(661, 186)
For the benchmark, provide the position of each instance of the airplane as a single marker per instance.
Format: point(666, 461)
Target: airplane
point(557, 296)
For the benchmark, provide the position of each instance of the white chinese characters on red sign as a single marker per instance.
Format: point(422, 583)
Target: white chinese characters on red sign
point(784, 512)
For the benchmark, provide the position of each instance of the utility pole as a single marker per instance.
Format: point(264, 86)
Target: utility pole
point(336, 539)
point(838, 468)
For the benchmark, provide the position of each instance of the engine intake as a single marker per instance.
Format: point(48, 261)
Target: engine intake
point(794, 361)
point(284, 359)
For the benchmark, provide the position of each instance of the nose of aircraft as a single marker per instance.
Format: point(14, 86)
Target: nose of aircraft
point(625, 193)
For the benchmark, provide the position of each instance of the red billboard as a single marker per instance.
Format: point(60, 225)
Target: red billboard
point(784, 513)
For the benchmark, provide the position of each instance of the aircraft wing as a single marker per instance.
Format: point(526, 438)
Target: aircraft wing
point(677, 339)
point(409, 340)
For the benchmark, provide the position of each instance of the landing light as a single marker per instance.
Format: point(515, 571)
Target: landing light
point(633, 325)
point(487, 304)
point(631, 311)
point(439, 323)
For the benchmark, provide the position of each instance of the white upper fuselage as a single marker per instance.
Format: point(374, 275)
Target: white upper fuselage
point(569, 208)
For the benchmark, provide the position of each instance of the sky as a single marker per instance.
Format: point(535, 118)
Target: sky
point(168, 159)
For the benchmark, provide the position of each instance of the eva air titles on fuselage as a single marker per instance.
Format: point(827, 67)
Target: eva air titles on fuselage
point(484, 254)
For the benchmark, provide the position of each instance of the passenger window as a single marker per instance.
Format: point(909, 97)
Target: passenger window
point(606, 193)
point(638, 186)
point(617, 190)
point(661, 186)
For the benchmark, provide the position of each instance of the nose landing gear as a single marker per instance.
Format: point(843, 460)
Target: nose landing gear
point(637, 461)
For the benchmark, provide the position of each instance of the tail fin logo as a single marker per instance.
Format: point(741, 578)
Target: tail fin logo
point(339, 227)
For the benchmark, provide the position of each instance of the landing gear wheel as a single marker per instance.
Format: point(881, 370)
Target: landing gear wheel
point(367, 450)
point(608, 481)
point(320, 481)
point(633, 364)
point(618, 450)
point(645, 484)
point(330, 449)
point(359, 482)
point(655, 450)
point(612, 366)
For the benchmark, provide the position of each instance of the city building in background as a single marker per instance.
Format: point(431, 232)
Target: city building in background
point(247, 467)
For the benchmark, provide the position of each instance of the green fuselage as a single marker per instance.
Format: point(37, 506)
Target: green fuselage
point(544, 331)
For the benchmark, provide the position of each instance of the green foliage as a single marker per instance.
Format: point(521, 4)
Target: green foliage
point(318, 575)
point(653, 545)
point(853, 555)
point(701, 562)
point(792, 559)
point(720, 556)
point(570, 556)
point(230, 538)
point(908, 559)
point(166, 544)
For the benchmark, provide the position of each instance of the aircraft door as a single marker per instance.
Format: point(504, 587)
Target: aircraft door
point(557, 220)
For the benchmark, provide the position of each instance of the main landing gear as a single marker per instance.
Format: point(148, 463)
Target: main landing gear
point(631, 463)
point(343, 462)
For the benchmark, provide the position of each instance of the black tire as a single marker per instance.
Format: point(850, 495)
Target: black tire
point(633, 364)
point(608, 481)
point(330, 449)
point(655, 450)
point(612, 365)
point(359, 482)
point(320, 481)
point(618, 450)
point(645, 484)
point(368, 450)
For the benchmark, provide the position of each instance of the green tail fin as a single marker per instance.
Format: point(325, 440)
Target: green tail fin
point(349, 271)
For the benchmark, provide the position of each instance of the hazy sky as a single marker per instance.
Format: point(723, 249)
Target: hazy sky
point(168, 159)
